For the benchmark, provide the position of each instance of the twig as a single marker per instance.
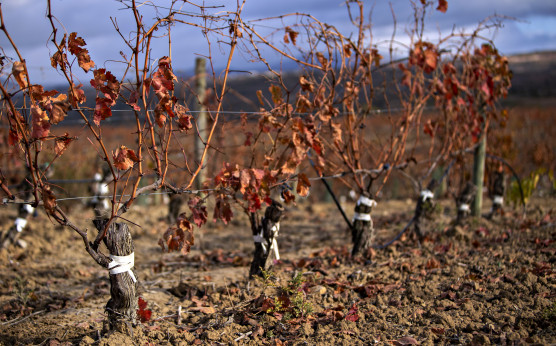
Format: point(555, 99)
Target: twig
point(243, 336)
point(16, 321)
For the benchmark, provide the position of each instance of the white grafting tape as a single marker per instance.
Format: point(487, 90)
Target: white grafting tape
point(259, 238)
point(366, 201)
point(362, 217)
point(20, 224)
point(426, 194)
point(103, 190)
point(122, 264)
point(274, 246)
point(275, 229)
point(29, 208)
point(498, 200)
point(464, 207)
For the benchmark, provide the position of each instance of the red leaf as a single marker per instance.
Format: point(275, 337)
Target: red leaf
point(184, 119)
point(442, 6)
point(142, 312)
point(199, 211)
point(179, 237)
point(132, 101)
point(352, 314)
point(83, 59)
point(222, 210)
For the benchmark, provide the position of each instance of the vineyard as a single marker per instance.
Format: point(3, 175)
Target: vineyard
point(378, 192)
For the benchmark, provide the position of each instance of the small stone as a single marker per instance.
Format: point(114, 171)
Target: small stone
point(87, 340)
point(318, 290)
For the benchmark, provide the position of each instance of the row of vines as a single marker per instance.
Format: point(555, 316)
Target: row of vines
point(437, 99)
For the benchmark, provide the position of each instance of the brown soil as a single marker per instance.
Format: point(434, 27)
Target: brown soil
point(482, 282)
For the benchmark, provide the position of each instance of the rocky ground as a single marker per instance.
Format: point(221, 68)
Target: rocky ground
point(486, 281)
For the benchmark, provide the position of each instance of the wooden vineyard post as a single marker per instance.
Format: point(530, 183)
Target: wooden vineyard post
point(478, 174)
point(264, 236)
point(201, 123)
point(122, 306)
point(362, 232)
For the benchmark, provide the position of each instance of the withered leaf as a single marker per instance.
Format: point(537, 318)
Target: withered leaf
point(75, 45)
point(77, 96)
point(276, 94)
point(49, 200)
point(62, 143)
point(306, 85)
point(124, 158)
point(58, 108)
point(303, 185)
point(41, 123)
point(178, 238)
point(19, 71)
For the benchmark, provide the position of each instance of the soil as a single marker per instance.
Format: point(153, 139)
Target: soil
point(485, 281)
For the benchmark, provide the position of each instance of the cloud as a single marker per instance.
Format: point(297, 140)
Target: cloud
point(27, 23)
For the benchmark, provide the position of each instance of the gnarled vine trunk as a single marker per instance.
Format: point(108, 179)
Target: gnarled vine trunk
point(362, 232)
point(122, 306)
point(264, 236)
point(425, 206)
point(464, 200)
point(496, 192)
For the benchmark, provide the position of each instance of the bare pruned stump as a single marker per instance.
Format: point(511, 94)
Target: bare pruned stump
point(122, 306)
point(264, 236)
point(496, 192)
point(362, 232)
point(464, 200)
point(174, 207)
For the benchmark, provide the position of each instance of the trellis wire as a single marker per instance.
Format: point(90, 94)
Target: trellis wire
point(192, 192)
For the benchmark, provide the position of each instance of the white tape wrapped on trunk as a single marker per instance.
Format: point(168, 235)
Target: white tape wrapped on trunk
point(20, 224)
point(29, 208)
point(366, 201)
point(122, 264)
point(426, 194)
point(362, 217)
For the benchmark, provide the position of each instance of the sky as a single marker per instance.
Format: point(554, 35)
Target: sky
point(531, 27)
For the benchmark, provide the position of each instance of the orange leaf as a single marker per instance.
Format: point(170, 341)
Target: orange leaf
point(19, 70)
point(276, 94)
point(124, 158)
point(303, 185)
